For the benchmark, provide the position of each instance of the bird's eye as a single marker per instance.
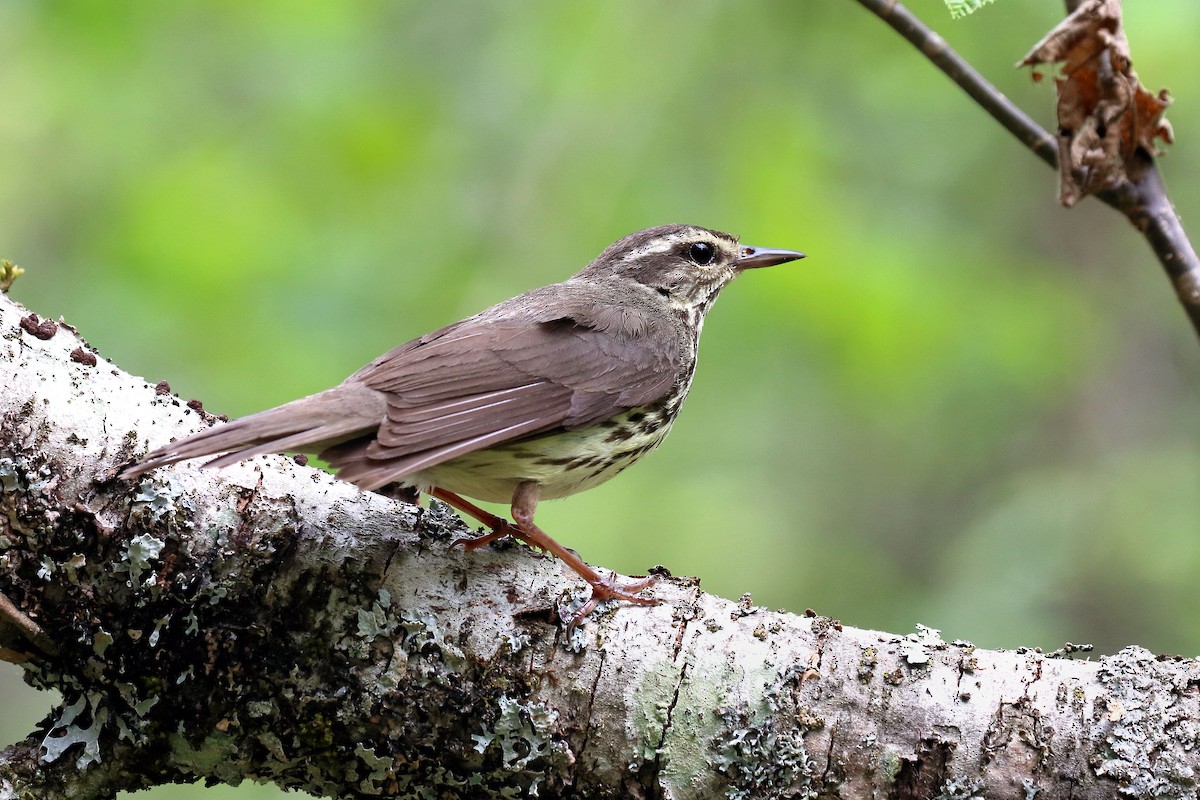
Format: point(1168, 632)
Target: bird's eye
point(702, 253)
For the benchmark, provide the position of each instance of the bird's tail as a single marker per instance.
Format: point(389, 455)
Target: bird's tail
point(311, 423)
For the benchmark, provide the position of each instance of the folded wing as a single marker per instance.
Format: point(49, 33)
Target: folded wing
point(487, 381)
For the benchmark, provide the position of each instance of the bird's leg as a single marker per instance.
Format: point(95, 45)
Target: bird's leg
point(525, 500)
point(524, 503)
point(500, 526)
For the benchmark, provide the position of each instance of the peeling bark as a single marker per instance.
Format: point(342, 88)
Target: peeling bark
point(266, 622)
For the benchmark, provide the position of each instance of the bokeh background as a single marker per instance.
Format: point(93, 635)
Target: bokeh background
point(968, 408)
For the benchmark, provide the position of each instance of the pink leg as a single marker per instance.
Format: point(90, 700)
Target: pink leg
point(500, 527)
point(524, 504)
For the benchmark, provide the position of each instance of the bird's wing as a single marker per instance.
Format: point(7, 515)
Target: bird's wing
point(494, 378)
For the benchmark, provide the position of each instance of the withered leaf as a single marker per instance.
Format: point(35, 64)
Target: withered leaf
point(1104, 113)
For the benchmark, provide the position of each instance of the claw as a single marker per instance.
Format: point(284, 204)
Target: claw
point(475, 542)
point(609, 589)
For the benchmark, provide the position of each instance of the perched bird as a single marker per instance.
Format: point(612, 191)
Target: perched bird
point(544, 395)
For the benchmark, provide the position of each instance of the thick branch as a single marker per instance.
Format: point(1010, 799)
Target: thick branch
point(269, 622)
point(1143, 199)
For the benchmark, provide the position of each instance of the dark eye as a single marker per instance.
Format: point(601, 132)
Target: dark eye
point(702, 253)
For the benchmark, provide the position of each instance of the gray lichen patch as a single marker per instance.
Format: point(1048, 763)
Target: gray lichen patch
point(163, 499)
point(761, 755)
point(138, 555)
point(524, 733)
point(10, 478)
point(919, 647)
point(80, 722)
point(738, 726)
point(1148, 728)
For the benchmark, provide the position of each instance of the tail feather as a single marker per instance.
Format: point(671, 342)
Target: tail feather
point(310, 423)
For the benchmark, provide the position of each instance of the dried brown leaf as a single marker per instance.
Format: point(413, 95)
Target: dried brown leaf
point(1104, 113)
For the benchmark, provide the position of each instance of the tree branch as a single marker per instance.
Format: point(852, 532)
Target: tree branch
point(1143, 198)
point(991, 99)
point(269, 622)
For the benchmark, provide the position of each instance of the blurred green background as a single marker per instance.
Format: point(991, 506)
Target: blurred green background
point(968, 408)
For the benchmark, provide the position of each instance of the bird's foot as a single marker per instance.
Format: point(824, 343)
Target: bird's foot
point(609, 589)
point(475, 542)
point(500, 527)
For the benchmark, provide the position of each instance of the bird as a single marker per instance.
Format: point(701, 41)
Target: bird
point(544, 395)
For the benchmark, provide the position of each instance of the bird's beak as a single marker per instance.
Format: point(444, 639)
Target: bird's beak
point(754, 257)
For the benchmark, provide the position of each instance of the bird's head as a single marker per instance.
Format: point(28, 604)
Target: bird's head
point(685, 264)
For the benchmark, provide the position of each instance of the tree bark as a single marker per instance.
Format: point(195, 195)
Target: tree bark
point(267, 622)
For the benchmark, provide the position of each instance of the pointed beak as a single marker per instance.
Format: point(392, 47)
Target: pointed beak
point(754, 257)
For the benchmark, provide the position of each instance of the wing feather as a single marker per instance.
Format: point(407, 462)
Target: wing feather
point(562, 361)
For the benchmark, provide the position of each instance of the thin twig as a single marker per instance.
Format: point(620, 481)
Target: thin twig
point(993, 101)
point(1143, 200)
point(28, 628)
point(1148, 206)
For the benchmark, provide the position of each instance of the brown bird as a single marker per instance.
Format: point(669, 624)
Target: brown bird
point(542, 396)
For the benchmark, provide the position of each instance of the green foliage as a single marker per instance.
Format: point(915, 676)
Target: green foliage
point(961, 8)
point(9, 272)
